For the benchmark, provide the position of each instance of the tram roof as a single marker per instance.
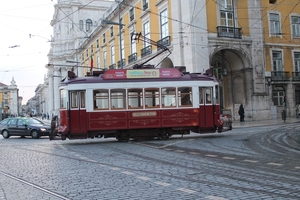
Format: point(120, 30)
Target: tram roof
point(137, 75)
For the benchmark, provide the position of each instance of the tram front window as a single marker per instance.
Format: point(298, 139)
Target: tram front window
point(74, 99)
point(208, 95)
point(63, 99)
point(82, 99)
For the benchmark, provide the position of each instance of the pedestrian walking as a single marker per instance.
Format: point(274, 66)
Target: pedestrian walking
point(54, 131)
point(241, 113)
point(297, 110)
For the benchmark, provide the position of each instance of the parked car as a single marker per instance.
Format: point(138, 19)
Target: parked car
point(23, 126)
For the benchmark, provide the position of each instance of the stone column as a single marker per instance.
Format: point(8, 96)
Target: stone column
point(257, 49)
point(56, 80)
point(50, 92)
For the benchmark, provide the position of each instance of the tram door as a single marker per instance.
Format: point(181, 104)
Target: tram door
point(77, 112)
point(206, 107)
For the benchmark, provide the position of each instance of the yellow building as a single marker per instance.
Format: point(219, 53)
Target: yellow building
point(250, 46)
point(108, 47)
point(282, 52)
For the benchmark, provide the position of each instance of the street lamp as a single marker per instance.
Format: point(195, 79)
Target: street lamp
point(120, 35)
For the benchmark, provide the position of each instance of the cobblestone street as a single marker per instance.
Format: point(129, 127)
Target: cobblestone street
point(246, 163)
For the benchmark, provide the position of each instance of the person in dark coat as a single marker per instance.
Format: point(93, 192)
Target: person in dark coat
point(242, 112)
point(54, 131)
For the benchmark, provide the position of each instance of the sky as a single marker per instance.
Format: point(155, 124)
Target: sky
point(24, 43)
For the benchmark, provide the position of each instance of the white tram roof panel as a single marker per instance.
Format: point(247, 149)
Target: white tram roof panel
point(137, 75)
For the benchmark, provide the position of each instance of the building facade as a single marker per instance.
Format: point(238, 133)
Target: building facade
point(9, 98)
point(251, 46)
point(73, 22)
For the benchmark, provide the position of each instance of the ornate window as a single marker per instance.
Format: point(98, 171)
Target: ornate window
point(112, 55)
point(227, 13)
point(104, 60)
point(274, 24)
point(111, 31)
point(89, 25)
point(131, 14)
point(297, 61)
point(296, 27)
point(146, 29)
point(103, 38)
point(278, 96)
point(80, 25)
point(277, 61)
point(164, 27)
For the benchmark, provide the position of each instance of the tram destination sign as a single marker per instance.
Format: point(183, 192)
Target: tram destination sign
point(141, 73)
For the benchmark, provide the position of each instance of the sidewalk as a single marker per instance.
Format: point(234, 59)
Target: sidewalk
point(269, 122)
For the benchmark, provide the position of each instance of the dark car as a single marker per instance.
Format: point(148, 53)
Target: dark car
point(23, 126)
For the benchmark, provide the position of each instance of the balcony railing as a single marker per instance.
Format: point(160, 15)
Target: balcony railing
point(280, 76)
point(113, 66)
point(296, 76)
point(123, 63)
point(132, 58)
point(164, 42)
point(146, 51)
point(145, 6)
point(230, 32)
point(131, 17)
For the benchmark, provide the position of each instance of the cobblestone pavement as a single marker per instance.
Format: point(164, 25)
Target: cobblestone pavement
point(245, 163)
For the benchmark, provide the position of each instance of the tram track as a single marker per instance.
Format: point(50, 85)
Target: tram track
point(198, 171)
point(35, 186)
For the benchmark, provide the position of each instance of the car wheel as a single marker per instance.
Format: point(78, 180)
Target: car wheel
point(35, 134)
point(5, 134)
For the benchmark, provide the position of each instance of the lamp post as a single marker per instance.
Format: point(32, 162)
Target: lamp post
point(120, 29)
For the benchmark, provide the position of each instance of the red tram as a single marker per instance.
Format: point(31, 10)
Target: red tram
point(138, 103)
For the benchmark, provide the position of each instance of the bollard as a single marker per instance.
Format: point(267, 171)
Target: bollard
point(283, 115)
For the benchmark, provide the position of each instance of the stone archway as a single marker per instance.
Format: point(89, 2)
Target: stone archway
point(234, 70)
point(167, 63)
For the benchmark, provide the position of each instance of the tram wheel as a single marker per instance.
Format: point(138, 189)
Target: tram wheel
point(123, 137)
point(163, 135)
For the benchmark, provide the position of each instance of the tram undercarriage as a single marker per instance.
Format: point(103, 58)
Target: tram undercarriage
point(135, 134)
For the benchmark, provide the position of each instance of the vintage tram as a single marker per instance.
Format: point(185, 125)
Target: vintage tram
point(138, 103)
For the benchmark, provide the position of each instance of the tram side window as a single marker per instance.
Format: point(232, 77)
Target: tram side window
point(63, 99)
point(151, 97)
point(82, 99)
point(168, 97)
point(118, 98)
point(201, 94)
point(135, 98)
point(100, 99)
point(74, 99)
point(185, 96)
